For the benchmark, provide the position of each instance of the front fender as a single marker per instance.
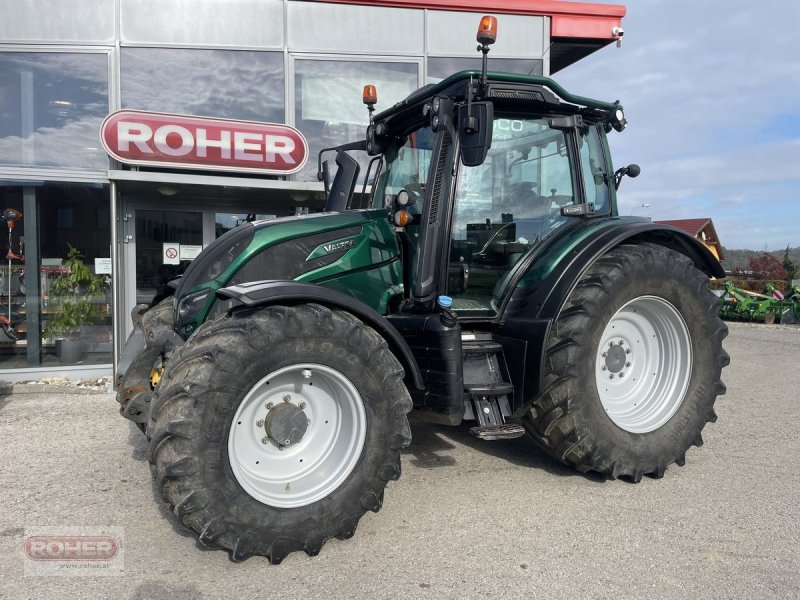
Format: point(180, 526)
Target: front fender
point(264, 293)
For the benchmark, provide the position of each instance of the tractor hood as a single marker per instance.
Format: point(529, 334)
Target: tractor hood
point(316, 248)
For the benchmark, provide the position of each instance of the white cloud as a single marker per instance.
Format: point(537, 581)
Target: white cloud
point(706, 87)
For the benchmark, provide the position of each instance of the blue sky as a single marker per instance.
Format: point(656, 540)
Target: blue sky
point(711, 90)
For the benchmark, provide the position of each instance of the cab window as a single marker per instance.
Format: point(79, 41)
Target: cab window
point(505, 207)
point(593, 168)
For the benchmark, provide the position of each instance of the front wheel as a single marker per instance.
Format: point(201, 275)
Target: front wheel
point(274, 430)
point(632, 365)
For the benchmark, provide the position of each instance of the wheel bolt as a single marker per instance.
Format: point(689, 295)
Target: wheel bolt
point(286, 398)
point(268, 405)
point(627, 350)
point(265, 439)
point(260, 423)
point(627, 364)
point(302, 405)
point(611, 376)
point(621, 374)
point(605, 354)
point(611, 343)
point(603, 367)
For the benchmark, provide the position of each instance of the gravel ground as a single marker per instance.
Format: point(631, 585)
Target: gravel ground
point(468, 519)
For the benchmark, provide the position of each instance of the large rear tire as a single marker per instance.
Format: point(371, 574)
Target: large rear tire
point(632, 365)
point(276, 429)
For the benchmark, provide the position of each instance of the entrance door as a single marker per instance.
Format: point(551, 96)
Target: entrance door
point(159, 245)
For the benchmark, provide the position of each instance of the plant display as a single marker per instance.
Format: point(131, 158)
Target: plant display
point(78, 296)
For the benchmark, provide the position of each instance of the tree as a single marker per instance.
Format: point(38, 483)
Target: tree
point(767, 266)
point(789, 266)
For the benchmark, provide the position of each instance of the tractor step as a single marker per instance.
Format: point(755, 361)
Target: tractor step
point(480, 347)
point(497, 432)
point(500, 388)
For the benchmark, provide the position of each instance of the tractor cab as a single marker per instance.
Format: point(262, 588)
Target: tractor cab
point(476, 173)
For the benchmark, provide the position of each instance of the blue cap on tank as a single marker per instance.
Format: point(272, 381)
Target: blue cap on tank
point(445, 301)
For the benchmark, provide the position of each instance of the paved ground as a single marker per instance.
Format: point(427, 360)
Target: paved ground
point(468, 519)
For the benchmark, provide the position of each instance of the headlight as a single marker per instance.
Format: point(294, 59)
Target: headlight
point(192, 304)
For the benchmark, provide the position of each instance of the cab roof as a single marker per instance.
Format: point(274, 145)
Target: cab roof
point(455, 86)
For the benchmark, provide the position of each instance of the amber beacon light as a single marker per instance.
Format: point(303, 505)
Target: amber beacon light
point(370, 95)
point(487, 30)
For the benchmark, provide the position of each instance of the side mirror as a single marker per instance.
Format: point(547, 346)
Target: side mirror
point(475, 122)
point(631, 171)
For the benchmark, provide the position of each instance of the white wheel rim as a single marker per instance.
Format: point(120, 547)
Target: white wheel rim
point(311, 469)
point(643, 364)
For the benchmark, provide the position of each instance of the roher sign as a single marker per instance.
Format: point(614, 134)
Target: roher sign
point(189, 142)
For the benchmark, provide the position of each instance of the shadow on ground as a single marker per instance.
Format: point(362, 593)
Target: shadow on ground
point(432, 447)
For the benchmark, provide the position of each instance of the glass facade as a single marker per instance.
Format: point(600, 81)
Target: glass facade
point(51, 107)
point(62, 317)
point(328, 108)
point(440, 67)
point(231, 84)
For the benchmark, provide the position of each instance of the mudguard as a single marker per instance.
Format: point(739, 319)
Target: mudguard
point(542, 282)
point(264, 293)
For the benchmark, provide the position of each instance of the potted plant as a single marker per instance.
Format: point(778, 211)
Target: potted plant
point(76, 298)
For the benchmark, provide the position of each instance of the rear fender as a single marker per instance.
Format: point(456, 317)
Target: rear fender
point(258, 294)
point(534, 303)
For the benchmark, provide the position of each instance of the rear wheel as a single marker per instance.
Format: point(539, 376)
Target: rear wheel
point(275, 430)
point(632, 366)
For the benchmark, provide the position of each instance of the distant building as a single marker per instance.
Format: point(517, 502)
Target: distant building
point(703, 230)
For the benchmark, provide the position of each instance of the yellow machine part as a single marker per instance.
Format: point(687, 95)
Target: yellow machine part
point(155, 376)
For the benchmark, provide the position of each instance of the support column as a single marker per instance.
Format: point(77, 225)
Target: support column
point(32, 277)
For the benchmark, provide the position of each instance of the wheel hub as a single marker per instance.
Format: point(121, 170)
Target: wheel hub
point(615, 358)
point(286, 424)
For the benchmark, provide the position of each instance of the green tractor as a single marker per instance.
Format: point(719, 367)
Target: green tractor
point(488, 281)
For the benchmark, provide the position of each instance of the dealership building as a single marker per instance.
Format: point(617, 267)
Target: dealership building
point(66, 66)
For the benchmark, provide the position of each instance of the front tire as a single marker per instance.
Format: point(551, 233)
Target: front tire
point(632, 365)
point(257, 484)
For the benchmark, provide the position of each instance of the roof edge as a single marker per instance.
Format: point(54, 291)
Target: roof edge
point(516, 7)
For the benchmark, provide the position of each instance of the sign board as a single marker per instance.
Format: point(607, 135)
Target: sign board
point(102, 266)
point(188, 252)
point(187, 142)
point(170, 253)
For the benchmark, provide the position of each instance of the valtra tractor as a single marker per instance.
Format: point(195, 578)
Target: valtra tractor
point(489, 282)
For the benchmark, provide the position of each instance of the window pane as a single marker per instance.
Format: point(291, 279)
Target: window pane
point(51, 108)
point(439, 68)
point(505, 207)
point(593, 168)
point(68, 214)
point(213, 83)
point(328, 107)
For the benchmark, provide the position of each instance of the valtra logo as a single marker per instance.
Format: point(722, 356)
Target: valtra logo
point(188, 142)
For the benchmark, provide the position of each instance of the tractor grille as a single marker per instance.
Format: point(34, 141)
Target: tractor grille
point(517, 95)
